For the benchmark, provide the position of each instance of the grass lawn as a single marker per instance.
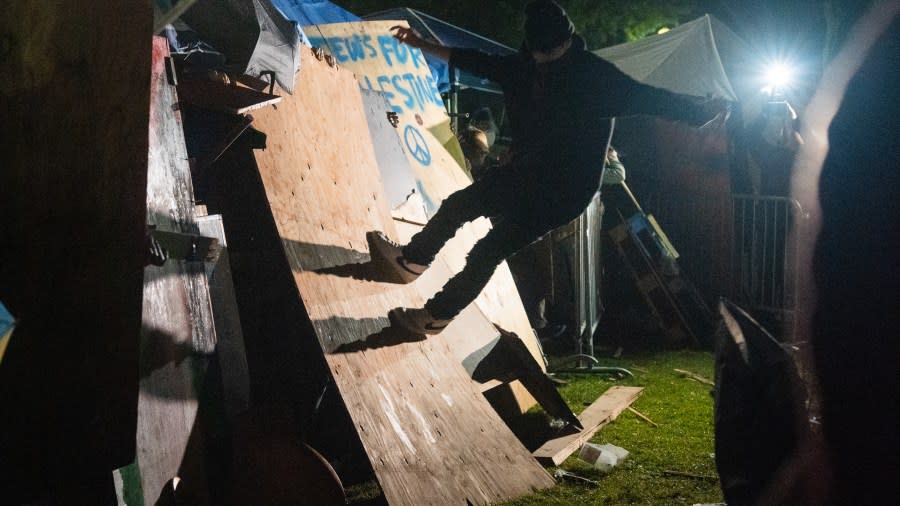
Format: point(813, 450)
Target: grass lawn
point(683, 442)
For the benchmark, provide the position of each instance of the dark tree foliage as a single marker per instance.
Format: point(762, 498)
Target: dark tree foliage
point(811, 31)
point(601, 22)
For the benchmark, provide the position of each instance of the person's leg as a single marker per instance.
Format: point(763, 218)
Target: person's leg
point(489, 196)
point(537, 210)
point(503, 240)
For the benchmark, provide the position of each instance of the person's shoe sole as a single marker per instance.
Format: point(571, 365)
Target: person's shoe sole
point(399, 318)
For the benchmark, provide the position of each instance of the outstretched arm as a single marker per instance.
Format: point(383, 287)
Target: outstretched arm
point(624, 96)
point(491, 67)
point(412, 38)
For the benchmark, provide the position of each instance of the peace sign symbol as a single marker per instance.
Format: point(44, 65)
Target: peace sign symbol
point(417, 145)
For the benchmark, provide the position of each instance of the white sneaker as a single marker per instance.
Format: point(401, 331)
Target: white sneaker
point(391, 253)
point(417, 321)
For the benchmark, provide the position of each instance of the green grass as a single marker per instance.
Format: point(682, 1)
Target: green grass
point(683, 442)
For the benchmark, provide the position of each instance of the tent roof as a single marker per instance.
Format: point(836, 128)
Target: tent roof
point(314, 12)
point(687, 59)
point(442, 31)
point(449, 35)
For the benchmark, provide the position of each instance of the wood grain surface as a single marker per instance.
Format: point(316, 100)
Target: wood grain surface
point(382, 64)
point(178, 330)
point(431, 437)
point(602, 411)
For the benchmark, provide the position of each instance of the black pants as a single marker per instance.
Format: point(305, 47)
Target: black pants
point(524, 206)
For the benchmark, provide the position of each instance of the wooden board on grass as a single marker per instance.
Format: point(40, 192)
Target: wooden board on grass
point(429, 434)
point(604, 410)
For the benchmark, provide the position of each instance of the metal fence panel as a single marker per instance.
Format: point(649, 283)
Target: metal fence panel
point(764, 260)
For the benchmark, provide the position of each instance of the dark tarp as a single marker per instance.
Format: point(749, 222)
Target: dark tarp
point(253, 35)
point(314, 12)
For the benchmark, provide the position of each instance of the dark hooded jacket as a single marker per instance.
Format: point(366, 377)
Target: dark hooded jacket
point(560, 112)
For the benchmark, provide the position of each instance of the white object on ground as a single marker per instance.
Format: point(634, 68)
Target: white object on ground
point(603, 457)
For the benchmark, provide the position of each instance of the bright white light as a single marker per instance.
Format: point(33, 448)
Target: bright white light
point(778, 75)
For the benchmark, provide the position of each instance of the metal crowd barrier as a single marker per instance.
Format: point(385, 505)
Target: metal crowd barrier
point(765, 254)
point(588, 271)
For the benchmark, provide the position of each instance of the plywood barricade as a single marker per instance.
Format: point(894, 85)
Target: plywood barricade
point(178, 328)
point(430, 436)
point(381, 63)
point(393, 165)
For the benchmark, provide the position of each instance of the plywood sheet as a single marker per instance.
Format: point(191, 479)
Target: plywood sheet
point(382, 63)
point(230, 350)
point(396, 175)
point(178, 327)
point(429, 434)
point(398, 71)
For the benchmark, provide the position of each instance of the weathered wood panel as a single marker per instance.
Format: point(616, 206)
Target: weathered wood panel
point(230, 349)
point(178, 327)
point(73, 158)
point(429, 434)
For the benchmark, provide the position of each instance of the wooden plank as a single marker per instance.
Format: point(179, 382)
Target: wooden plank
point(532, 376)
point(178, 327)
point(192, 247)
point(430, 436)
point(230, 349)
point(73, 124)
point(643, 416)
point(696, 377)
point(604, 410)
point(219, 96)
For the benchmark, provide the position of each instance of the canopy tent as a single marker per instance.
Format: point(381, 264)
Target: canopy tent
point(244, 36)
point(684, 176)
point(314, 12)
point(696, 58)
point(449, 35)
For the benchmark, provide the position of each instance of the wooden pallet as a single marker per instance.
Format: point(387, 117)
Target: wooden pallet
point(679, 309)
